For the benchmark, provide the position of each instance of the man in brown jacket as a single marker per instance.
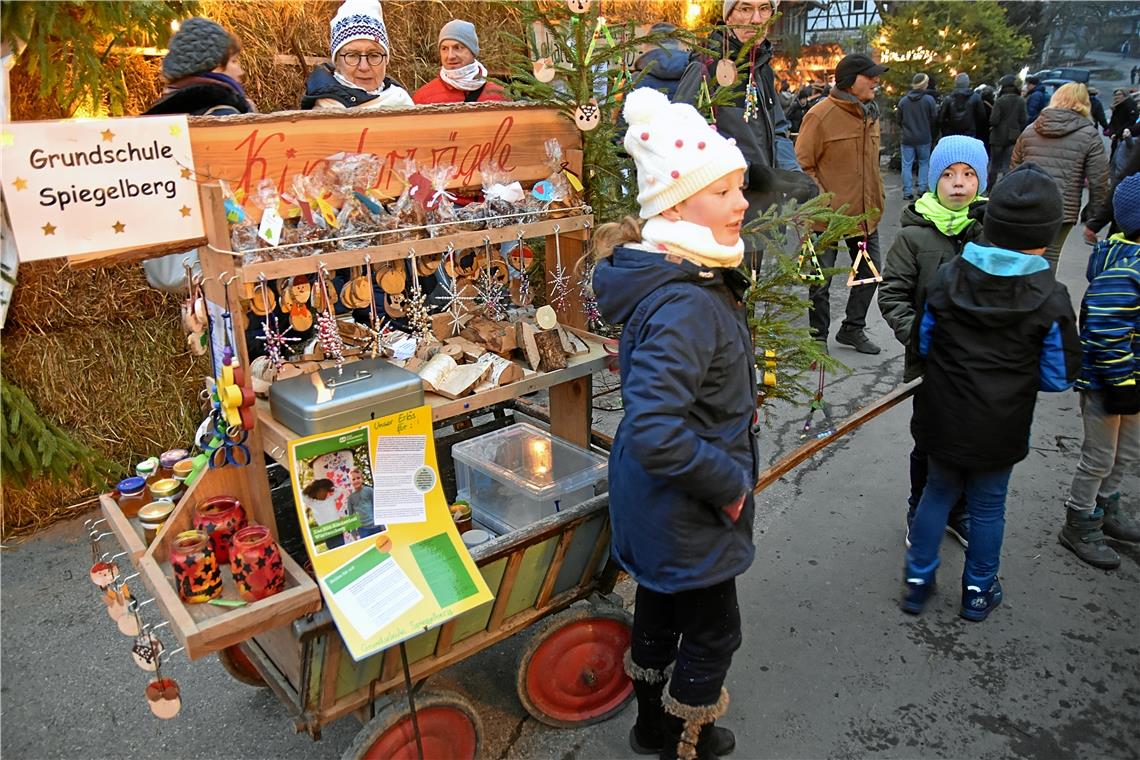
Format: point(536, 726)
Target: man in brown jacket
point(838, 147)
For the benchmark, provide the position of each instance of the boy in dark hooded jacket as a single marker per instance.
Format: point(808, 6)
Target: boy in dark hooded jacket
point(934, 230)
point(997, 328)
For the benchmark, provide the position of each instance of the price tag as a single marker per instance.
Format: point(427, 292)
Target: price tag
point(271, 225)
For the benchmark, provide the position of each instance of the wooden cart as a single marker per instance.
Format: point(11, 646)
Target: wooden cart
point(572, 673)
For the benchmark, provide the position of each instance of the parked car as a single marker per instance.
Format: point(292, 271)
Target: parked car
point(1052, 85)
point(1066, 74)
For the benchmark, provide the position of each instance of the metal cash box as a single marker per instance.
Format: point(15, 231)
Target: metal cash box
point(332, 399)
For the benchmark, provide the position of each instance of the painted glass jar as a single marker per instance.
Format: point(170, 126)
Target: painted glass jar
point(256, 563)
point(197, 574)
point(220, 517)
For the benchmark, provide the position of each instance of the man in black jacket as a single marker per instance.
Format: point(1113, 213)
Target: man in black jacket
point(962, 112)
point(917, 116)
point(1009, 117)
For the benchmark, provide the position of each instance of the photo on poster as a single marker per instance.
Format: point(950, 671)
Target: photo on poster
point(334, 479)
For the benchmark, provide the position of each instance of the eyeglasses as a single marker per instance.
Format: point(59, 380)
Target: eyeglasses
point(746, 11)
point(354, 58)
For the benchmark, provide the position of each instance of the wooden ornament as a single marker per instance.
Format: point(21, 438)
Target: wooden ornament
point(301, 290)
point(392, 278)
point(426, 265)
point(546, 317)
point(361, 291)
point(587, 116)
point(544, 70)
point(726, 72)
point(394, 305)
point(301, 318)
point(285, 302)
point(164, 698)
point(578, 6)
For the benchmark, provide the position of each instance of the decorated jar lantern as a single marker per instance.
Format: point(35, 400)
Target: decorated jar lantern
point(256, 563)
point(219, 518)
point(197, 574)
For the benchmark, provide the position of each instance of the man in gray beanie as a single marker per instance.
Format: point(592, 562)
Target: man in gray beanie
point(462, 78)
point(963, 113)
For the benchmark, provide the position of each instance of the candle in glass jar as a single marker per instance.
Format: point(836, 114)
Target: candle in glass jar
point(256, 563)
point(197, 574)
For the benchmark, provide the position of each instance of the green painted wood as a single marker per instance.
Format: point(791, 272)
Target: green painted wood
point(532, 571)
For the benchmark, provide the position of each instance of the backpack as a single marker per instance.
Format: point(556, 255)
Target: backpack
point(958, 117)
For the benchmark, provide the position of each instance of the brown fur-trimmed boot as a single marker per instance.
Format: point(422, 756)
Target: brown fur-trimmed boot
point(647, 737)
point(688, 731)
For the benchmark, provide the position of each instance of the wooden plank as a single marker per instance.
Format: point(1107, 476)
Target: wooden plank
point(127, 532)
point(598, 557)
point(571, 410)
point(289, 267)
point(243, 150)
point(392, 664)
point(334, 648)
point(284, 651)
point(133, 255)
point(788, 462)
point(503, 593)
point(552, 571)
point(446, 632)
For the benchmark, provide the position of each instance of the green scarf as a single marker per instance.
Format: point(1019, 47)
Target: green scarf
point(949, 223)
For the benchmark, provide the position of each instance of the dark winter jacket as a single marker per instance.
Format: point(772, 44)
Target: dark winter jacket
point(1008, 118)
point(918, 118)
point(1110, 316)
point(1068, 146)
point(962, 113)
point(323, 84)
point(1097, 112)
point(685, 447)
point(1125, 163)
point(202, 95)
point(997, 328)
point(663, 67)
point(912, 262)
point(1036, 102)
point(1124, 117)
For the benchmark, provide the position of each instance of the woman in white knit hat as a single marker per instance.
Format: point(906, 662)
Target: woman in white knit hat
point(684, 459)
point(357, 76)
point(462, 78)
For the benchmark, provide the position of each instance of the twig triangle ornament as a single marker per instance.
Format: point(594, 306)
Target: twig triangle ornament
point(813, 273)
point(863, 256)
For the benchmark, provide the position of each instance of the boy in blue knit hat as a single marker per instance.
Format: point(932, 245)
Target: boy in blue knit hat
point(1110, 394)
point(935, 228)
point(996, 328)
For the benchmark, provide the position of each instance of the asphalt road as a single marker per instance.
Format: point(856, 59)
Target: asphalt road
point(829, 666)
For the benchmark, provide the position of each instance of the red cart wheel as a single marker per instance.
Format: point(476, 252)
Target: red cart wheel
point(237, 663)
point(572, 671)
point(449, 727)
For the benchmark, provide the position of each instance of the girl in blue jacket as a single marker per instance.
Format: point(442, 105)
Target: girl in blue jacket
point(684, 459)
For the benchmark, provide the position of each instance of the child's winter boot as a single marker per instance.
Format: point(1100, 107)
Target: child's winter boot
point(978, 604)
point(915, 594)
point(1118, 524)
point(647, 737)
point(1084, 537)
point(688, 730)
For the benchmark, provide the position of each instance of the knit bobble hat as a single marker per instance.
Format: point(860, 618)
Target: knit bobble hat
point(958, 149)
point(677, 153)
point(462, 32)
point(730, 4)
point(1126, 206)
point(359, 20)
point(199, 45)
point(1025, 209)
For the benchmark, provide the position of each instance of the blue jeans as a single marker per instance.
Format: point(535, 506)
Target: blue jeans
point(909, 153)
point(985, 499)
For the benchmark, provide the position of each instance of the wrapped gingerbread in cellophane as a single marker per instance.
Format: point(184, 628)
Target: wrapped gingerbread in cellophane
point(557, 195)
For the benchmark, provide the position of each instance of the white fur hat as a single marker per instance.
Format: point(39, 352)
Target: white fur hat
point(359, 20)
point(677, 153)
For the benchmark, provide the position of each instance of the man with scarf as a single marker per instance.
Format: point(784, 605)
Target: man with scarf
point(754, 117)
point(462, 79)
point(838, 146)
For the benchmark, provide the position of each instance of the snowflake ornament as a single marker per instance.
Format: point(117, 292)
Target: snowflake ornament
point(275, 342)
point(587, 297)
point(492, 294)
point(560, 278)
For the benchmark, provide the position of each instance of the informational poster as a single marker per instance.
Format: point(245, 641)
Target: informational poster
point(97, 185)
point(384, 546)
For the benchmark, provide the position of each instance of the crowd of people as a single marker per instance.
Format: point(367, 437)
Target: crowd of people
point(993, 185)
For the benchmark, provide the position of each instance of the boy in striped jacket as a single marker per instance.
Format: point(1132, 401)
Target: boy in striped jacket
point(1110, 396)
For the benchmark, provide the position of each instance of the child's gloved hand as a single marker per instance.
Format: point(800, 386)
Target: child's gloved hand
point(1122, 399)
point(733, 509)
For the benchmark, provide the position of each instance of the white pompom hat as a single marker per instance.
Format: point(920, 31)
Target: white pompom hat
point(677, 153)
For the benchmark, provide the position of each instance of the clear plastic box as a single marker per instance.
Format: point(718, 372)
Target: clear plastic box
point(517, 475)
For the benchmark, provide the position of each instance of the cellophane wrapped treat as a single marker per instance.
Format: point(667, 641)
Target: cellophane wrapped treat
point(441, 210)
point(504, 201)
point(409, 211)
point(554, 197)
point(361, 214)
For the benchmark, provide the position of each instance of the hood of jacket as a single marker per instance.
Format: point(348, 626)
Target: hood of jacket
point(962, 93)
point(1058, 122)
point(198, 95)
point(623, 279)
point(917, 94)
point(1111, 254)
point(996, 287)
point(663, 63)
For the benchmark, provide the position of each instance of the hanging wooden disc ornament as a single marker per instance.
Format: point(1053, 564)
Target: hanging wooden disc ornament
point(726, 72)
point(544, 70)
point(164, 698)
point(146, 651)
point(587, 116)
point(578, 6)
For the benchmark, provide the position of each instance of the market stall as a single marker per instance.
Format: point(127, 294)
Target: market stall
point(338, 350)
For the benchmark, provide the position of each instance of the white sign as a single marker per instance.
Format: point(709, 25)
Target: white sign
point(90, 186)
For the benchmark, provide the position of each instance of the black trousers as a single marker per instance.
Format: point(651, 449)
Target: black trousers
point(858, 301)
point(698, 630)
